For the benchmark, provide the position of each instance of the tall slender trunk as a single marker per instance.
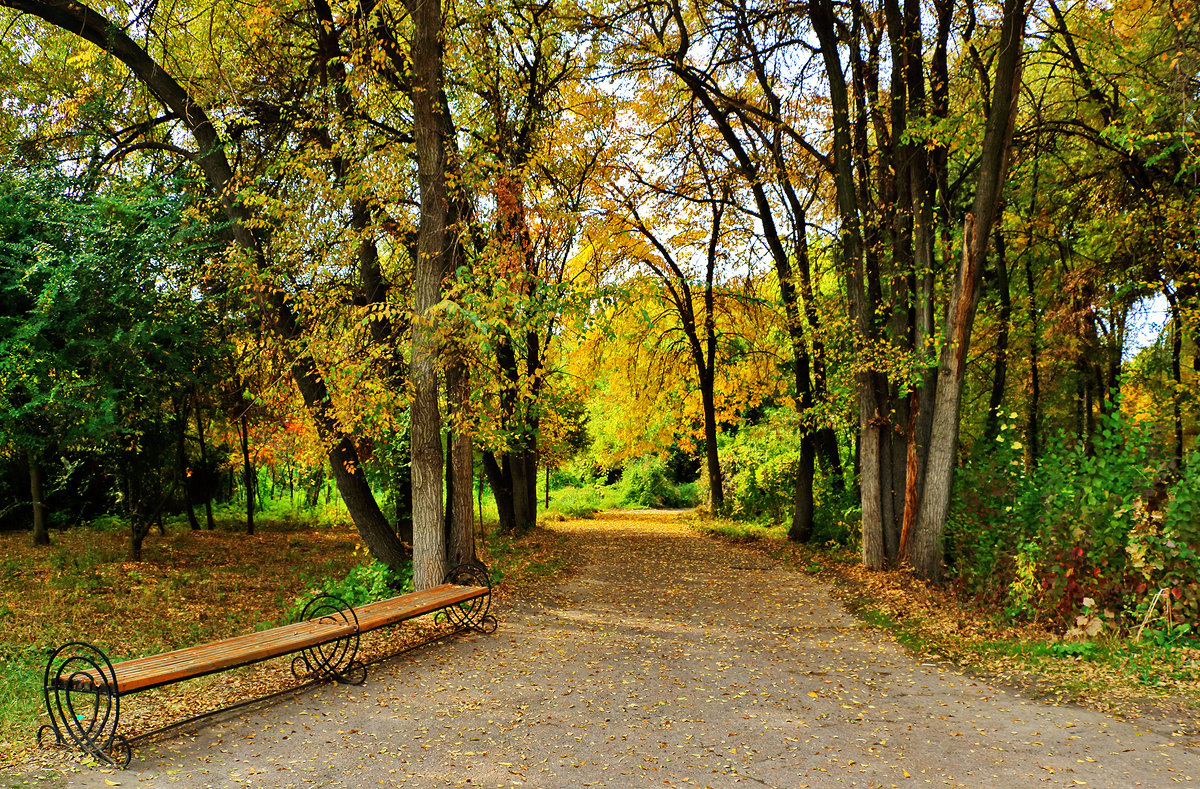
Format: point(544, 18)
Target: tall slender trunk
point(1032, 436)
point(999, 381)
point(716, 487)
point(209, 479)
point(41, 534)
point(248, 473)
point(181, 460)
point(1176, 372)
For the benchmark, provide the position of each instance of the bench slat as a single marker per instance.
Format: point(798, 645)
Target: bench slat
point(373, 616)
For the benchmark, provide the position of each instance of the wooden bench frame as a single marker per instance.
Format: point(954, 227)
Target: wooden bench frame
point(325, 635)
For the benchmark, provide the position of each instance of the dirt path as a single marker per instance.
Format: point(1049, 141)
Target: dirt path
point(667, 660)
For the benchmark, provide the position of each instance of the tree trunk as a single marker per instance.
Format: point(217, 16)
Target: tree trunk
point(928, 555)
point(1032, 437)
point(181, 459)
point(208, 476)
point(460, 547)
point(1176, 372)
point(716, 489)
point(999, 381)
point(516, 468)
point(248, 474)
point(432, 135)
point(501, 485)
point(41, 533)
point(801, 529)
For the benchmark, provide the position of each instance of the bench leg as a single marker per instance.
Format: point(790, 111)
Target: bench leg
point(79, 689)
point(472, 614)
point(335, 659)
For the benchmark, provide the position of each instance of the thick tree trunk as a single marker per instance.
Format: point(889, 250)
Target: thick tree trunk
point(41, 533)
point(431, 132)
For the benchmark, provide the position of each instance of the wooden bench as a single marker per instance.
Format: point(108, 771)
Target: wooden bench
point(83, 688)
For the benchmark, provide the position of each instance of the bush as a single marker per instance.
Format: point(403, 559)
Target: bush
point(364, 583)
point(647, 484)
point(1079, 528)
point(576, 502)
point(760, 465)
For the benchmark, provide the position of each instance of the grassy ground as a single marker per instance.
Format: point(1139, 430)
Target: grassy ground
point(191, 587)
point(1113, 672)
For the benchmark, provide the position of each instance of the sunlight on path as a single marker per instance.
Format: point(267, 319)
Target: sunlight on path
point(667, 659)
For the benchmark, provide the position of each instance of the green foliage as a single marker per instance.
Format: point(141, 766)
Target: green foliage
point(760, 467)
point(1080, 649)
point(100, 333)
point(760, 464)
point(739, 531)
point(1077, 532)
point(576, 502)
point(646, 483)
point(364, 583)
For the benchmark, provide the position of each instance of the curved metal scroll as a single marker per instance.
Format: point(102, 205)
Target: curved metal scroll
point(80, 691)
point(472, 614)
point(337, 658)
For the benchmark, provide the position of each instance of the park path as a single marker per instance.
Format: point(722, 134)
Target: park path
point(668, 659)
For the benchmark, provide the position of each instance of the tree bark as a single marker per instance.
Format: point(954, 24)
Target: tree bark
point(208, 477)
point(248, 473)
point(432, 133)
point(1000, 379)
point(181, 459)
point(1033, 417)
point(1176, 372)
point(41, 533)
point(501, 485)
point(461, 534)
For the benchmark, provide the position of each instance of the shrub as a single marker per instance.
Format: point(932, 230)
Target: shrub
point(1078, 528)
point(647, 484)
point(364, 583)
point(576, 502)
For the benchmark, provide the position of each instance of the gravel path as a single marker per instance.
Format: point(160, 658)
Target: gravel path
point(668, 660)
